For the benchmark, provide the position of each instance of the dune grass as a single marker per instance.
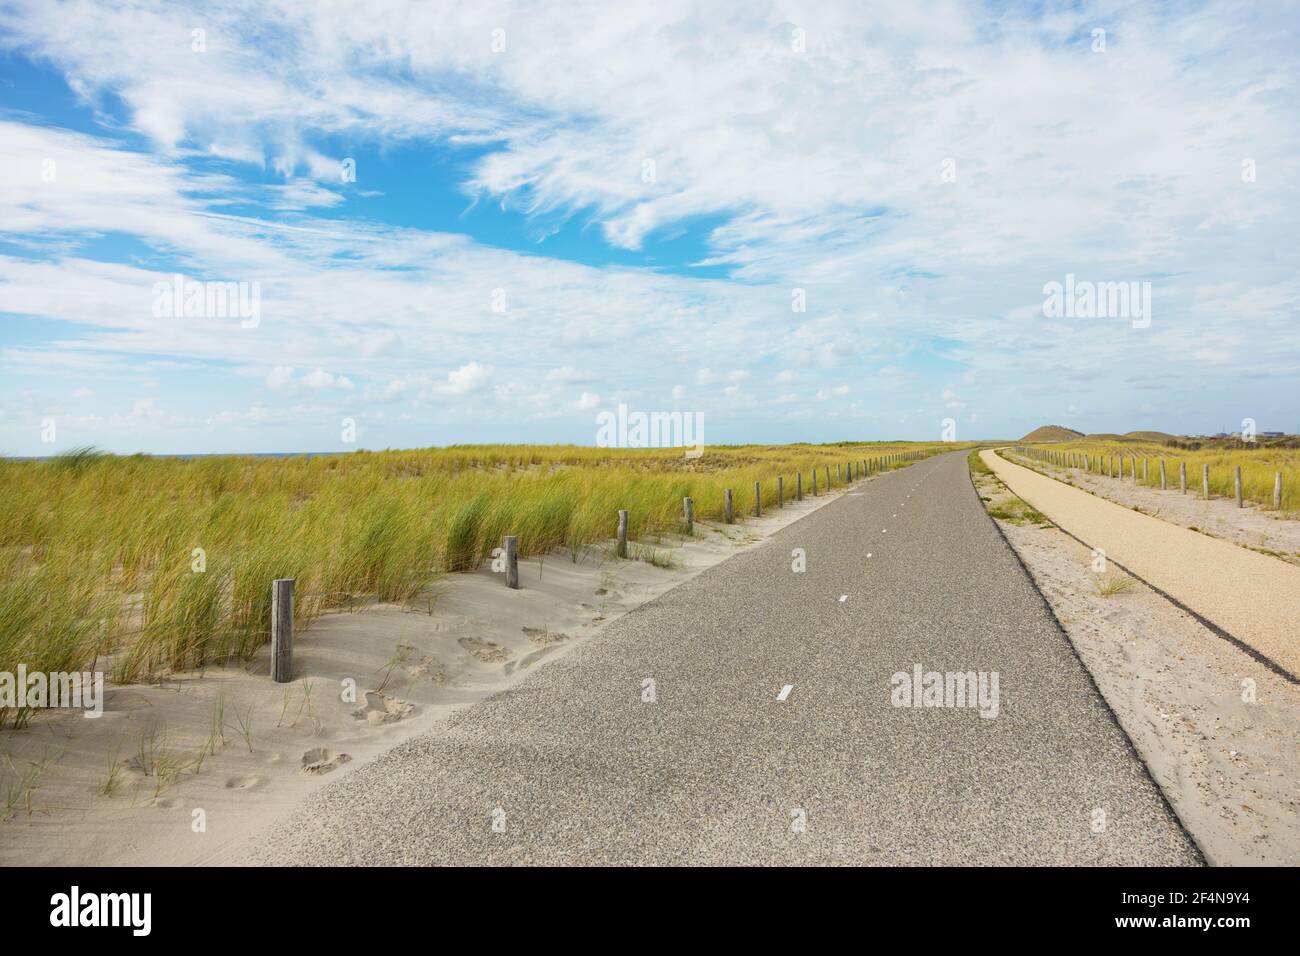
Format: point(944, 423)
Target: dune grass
point(1258, 467)
point(166, 564)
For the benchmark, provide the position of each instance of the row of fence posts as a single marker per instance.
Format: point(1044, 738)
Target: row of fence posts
point(1114, 466)
point(282, 588)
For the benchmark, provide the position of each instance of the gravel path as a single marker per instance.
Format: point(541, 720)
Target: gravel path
point(1253, 597)
point(906, 570)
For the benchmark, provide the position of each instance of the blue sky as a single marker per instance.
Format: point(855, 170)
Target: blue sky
point(560, 208)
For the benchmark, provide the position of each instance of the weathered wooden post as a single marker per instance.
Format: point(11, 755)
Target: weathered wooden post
point(1182, 477)
point(758, 501)
point(798, 486)
point(282, 630)
point(828, 477)
point(1205, 482)
point(780, 491)
point(1277, 491)
point(1236, 482)
point(730, 517)
point(621, 550)
point(511, 545)
point(688, 505)
point(1164, 483)
point(814, 480)
point(1144, 471)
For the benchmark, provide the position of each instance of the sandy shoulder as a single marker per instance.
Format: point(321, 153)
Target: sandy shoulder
point(186, 770)
point(1254, 597)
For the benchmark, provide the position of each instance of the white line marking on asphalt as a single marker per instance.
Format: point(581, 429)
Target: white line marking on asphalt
point(785, 692)
point(843, 598)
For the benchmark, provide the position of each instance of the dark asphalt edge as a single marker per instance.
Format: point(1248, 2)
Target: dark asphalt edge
point(1209, 625)
point(1065, 635)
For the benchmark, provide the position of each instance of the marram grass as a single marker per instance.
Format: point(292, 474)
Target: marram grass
point(162, 564)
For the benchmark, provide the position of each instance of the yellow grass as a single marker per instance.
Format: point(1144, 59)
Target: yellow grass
point(98, 553)
point(1258, 467)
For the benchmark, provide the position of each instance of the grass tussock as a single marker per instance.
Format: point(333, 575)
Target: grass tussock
point(155, 565)
point(1017, 511)
point(1109, 585)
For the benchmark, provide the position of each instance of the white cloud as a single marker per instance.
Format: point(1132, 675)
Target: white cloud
point(468, 378)
point(1119, 166)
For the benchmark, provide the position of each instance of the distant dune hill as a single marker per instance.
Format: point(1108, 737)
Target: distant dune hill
point(1151, 436)
point(1104, 436)
point(1053, 433)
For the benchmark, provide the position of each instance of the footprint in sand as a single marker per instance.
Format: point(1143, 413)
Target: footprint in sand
point(320, 760)
point(528, 660)
point(422, 667)
point(243, 783)
point(544, 636)
point(486, 651)
point(382, 709)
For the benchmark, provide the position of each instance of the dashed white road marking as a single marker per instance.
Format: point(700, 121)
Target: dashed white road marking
point(785, 692)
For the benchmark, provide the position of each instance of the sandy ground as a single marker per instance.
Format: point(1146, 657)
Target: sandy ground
point(1252, 596)
point(178, 771)
point(1217, 729)
point(1249, 526)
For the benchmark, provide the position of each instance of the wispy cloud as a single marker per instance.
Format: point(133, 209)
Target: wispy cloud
point(916, 173)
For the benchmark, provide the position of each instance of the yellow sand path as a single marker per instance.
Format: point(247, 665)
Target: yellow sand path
point(1253, 597)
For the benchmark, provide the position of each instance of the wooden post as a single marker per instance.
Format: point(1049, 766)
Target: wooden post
point(1164, 483)
point(730, 516)
point(780, 491)
point(282, 630)
point(814, 480)
point(622, 533)
point(798, 486)
point(1277, 491)
point(1236, 481)
point(1182, 477)
point(758, 501)
point(828, 477)
point(689, 506)
point(1144, 471)
point(1205, 482)
point(511, 545)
